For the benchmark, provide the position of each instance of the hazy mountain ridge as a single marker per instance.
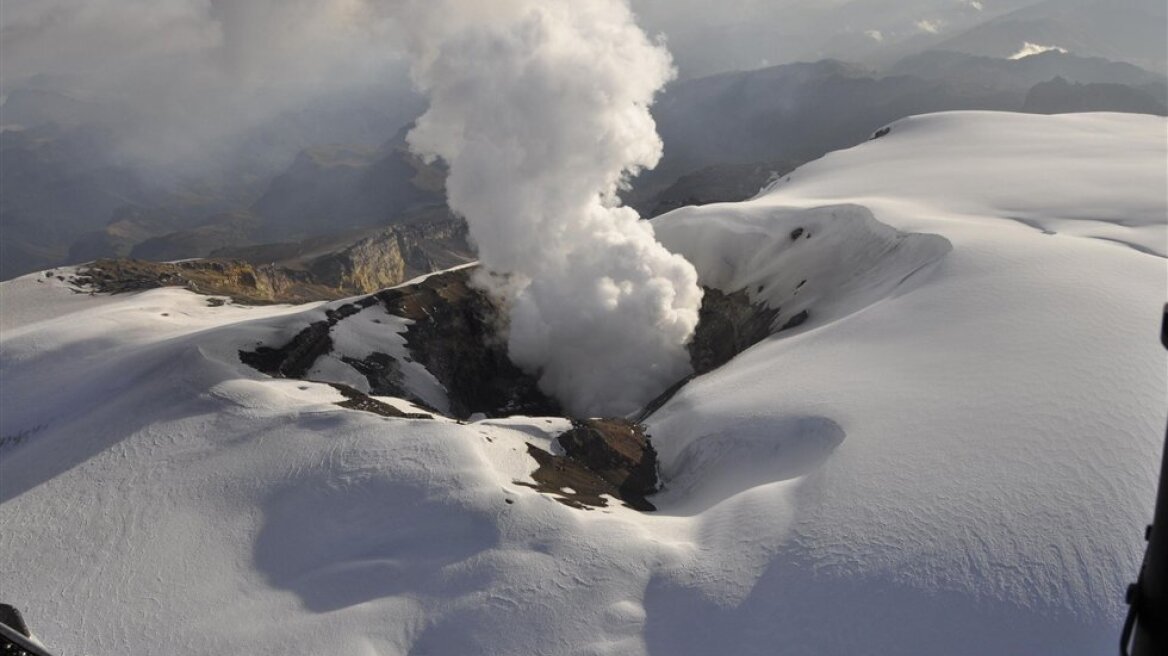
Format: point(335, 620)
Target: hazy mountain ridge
point(1132, 31)
point(963, 70)
point(1059, 96)
point(799, 112)
point(68, 198)
point(340, 187)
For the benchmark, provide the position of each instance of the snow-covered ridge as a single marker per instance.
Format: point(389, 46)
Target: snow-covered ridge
point(953, 454)
point(1087, 175)
point(826, 262)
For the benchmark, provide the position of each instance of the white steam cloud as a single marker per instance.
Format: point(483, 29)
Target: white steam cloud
point(541, 110)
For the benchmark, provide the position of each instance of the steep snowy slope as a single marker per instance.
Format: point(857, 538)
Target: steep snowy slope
point(950, 449)
point(1000, 414)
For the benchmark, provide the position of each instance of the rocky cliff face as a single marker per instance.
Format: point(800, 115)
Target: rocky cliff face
point(238, 280)
point(393, 255)
point(296, 272)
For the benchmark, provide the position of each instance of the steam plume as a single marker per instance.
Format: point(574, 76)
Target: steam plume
point(540, 108)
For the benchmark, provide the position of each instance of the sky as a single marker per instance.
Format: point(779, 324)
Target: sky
point(711, 37)
point(282, 44)
point(187, 73)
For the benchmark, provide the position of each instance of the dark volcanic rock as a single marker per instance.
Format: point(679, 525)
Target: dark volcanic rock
point(294, 359)
point(601, 457)
point(454, 335)
point(454, 332)
point(618, 451)
point(571, 483)
point(728, 324)
point(795, 321)
point(382, 371)
point(357, 400)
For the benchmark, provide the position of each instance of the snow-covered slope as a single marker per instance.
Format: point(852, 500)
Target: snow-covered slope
point(951, 449)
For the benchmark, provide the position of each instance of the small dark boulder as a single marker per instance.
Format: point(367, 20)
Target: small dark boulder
point(795, 321)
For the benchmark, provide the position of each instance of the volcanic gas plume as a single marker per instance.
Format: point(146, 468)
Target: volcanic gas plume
point(541, 110)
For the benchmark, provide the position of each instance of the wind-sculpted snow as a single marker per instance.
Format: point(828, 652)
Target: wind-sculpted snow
point(952, 453)
point(825, 262)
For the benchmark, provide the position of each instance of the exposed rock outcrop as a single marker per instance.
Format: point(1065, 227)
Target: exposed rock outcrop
point(728, 324)
point(296, 272)
point(612, 457)
point(239, 280)
point(357, 400)
point(393, 255)
point(454, 334)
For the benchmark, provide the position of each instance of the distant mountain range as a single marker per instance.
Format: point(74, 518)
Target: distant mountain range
point(69, 197)
point(807, 110)
point(1132, 31)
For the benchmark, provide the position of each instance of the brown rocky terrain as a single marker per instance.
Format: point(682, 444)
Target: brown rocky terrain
point(602, 457)
point(297, 272)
